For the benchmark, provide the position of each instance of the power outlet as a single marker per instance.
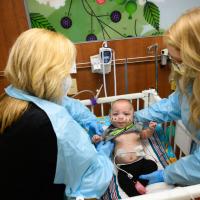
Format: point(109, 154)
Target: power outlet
point(73, 89)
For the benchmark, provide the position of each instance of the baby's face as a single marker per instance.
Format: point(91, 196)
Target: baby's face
point(121, 114)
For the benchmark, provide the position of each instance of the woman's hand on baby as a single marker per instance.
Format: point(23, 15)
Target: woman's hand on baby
point(95, 127)
point(154, 177)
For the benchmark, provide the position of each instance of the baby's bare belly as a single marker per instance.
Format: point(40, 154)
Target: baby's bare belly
point(124, 147)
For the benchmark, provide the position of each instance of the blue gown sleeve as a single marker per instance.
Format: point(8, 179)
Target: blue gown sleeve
point(167, 109)
point(84, 116)
point(185, 171)
point(86, 172)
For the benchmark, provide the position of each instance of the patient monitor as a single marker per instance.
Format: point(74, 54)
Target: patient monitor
point(105, 54)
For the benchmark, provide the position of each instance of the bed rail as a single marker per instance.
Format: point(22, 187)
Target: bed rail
point(178, 193)
point(148, 97)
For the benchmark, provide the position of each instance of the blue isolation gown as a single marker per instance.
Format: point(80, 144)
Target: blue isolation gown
point(85, 171)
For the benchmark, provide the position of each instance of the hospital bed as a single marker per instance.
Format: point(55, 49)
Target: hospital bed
point(170, 142)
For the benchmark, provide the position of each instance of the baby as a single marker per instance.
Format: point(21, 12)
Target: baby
point(128, 151)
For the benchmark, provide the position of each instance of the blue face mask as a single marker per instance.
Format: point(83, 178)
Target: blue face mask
point(67, 84)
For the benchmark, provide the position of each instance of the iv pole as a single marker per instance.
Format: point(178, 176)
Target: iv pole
point(155, 50)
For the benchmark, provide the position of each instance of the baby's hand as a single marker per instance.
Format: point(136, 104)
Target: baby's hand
point(144, 134)
point(147, 133)
point(96, 138)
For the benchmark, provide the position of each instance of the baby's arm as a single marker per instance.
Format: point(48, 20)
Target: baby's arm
point(148, 132)
point(96, 138)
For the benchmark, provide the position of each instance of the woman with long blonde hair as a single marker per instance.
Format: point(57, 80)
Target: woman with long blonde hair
point(183, 43)
point(44, 148)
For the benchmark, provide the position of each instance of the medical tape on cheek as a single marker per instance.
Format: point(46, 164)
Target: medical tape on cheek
point(128, 119)
point(124, 119)
point(113, 119)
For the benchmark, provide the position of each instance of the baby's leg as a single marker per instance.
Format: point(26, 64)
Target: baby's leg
point(127, 184)
point(147, 167)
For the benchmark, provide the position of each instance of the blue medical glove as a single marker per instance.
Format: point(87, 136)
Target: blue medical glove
point(154, 177)
point(105, 147)
point(94, 128)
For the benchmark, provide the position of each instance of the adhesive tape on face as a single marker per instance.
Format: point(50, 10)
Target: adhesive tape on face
point(124, 119)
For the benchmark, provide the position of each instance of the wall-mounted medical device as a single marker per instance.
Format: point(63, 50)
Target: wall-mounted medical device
point(105, 54)
point(164, 57)
point(102, 62)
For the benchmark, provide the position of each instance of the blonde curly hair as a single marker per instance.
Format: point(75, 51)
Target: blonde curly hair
point(184, 36)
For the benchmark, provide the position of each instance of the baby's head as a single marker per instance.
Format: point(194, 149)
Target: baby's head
point(121, 114)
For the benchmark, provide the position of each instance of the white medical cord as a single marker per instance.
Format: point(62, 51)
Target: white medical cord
point(114, 70)
point(114, 74)
point(90, 91)
point(82, 91)
point(104, 44)
point(128, 174)
point(104, 79)
point(98, 91)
